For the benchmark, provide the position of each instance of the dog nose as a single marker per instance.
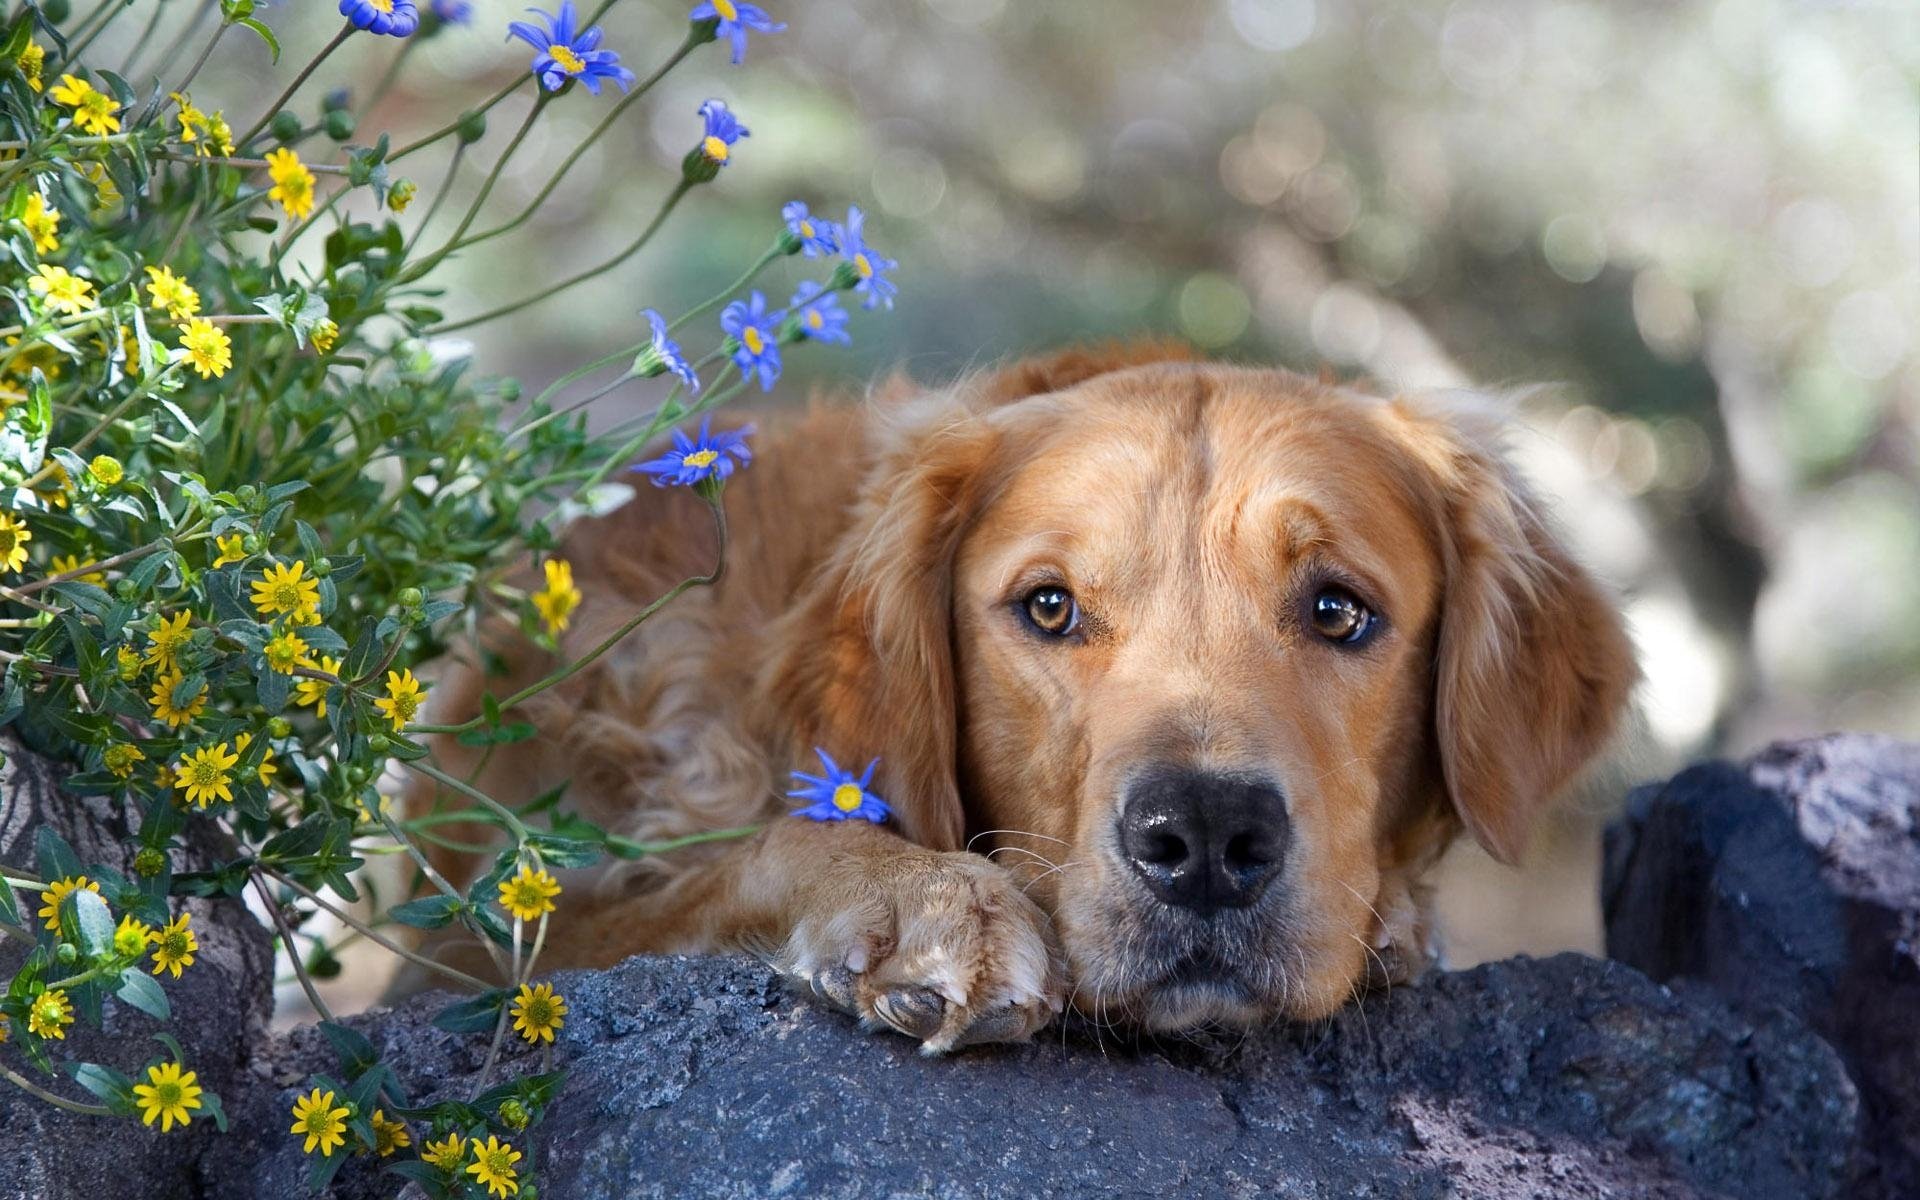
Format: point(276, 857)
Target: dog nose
point(1203, 841)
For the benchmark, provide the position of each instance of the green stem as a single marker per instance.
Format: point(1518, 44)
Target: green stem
point(759, 265)
point(514, 823)
point(367, 931)
point(439, 198)
point(486, 189)
point(346, 31)
point(385, 85)
point(194, 71)
point(681, 843)
point(454, 126)
point(104, 15)
point(33, 1089)
point(286, 940)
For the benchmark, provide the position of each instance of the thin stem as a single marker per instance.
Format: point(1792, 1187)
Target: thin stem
point(252, 164)
point(293, 951)
point(759, 265)
point(385, 85)
point(480, 198)
point(33, 1089)
point(439, 198)
point(193, 72)
point(629, 251)
point(371, 935)
point(514, 823)
point(180, 40)
point(439, 881)
point(346, 31)
point(454, 126)
point(104, 564)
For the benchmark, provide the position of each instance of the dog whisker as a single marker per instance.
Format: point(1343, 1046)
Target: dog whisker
point(1017, 833)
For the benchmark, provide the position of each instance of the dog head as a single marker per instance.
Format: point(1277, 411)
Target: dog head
point(1203, 653)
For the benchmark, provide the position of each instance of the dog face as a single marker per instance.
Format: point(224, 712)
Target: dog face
point(1204, 653)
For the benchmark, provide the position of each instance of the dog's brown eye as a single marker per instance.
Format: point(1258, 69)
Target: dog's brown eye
point(1052, 610)
point(1339, 616)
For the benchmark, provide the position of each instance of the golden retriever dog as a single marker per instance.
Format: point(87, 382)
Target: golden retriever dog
point(1180, 676)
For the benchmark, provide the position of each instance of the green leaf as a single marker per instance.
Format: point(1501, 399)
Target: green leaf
point(355, 1051)
point(55, 858)
point(430, 912)
point(472, 1016)
point(105, 1082)
point(565, 852)
point(85, 917)
point(210, 1103)
point(9, 907)
point(273, 45)
point(140, 990)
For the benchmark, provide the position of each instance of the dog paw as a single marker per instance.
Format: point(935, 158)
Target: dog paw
point(1405, 946)
point(943, 948)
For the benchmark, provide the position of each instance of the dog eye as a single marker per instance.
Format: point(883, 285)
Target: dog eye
point(1339, 616)
point(1052, 610)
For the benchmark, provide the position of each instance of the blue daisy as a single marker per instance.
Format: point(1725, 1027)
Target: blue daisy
point(819, 313)
point(723, 130)
point(839, 796)
point(755, 333)
point(815, 235)
point(695, 460)
point(869, 266)
point(735, 19)
point(662, 355)
point(565, 54)
point(395, 18)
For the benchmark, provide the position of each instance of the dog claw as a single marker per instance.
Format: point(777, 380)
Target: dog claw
point(834, 986)
point(914, 1011)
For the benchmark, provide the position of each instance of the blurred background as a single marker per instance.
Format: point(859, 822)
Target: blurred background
point(1698, 221)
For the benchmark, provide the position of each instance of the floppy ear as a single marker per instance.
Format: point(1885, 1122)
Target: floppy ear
point(867, 668)
point(1533, 665)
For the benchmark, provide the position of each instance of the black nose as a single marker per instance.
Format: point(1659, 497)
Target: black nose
point(1203, 841)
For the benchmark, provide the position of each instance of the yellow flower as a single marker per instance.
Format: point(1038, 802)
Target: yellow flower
point(313, 692)
point(446, 1153)
point(173, 946)
point(292, 183)
point(167, 639)
point(106, 191)
point(193, 122)
point(53, 489)
point(493, 1165)
point(230, 550)
point(14, 536)
point(172, 293)
point(285, 652)
point(92, 109)
point(219, 136)
point(50, 1014)
point(529, 894)
point(167, 1095)
point(120, 757)
point(58, 891)
point(131, 938)
point(324, 1125)
point(43, 222)
point(161, 700)
point(203, 773)
point(325, 334)
point(389, 1136)
point(127, 662)
point(106, 470)
point(286, 589)
point(208, 349)
point(367, 815)
point(267, 768)
point(62, 289)
point(402, 699)
point(537, 1012)
point(32, 57)
point(556, 602)
point(62, 563)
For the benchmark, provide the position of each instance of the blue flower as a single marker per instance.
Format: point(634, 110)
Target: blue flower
point(868, 265)
point(699, 459)
point(820, 315)
point(453, 12)
point(735, 19)
point(565, 54)
point(839, 796)
point(756, 332)
point(663, 355)
point(816, 236)
point(395, 18)
point(723, 130)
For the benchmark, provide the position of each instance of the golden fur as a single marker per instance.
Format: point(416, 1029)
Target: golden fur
point(877, 553)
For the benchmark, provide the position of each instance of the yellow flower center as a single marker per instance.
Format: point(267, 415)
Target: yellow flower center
point(701, 458)
point(569, 62)
point(539, 1011)
point(285, 595)
point(714, 149)
point(751, 339)
point(861, 265)
point(815, 320)
point(166, 1095)
point(385, 6)
point(726, 10)
point(806, 229)
point(173, 943)
point(846, 797)
point(203, 774)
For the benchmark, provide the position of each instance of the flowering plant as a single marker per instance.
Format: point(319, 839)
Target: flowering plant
point(229, 435)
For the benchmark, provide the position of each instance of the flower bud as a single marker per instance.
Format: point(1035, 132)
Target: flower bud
point(339, 125)
point(401, 194)
point(697, 167)
point(410, 597)
point(285, 126)
point(245, 495)
point(149, 862)
point(357, 774)
point(704, 31)
point(473, 127)
point(322, 568)
point(379, 743)
point(125, 590)
point(279, 727)
point(252, 544)
point(106, 470)
point(513, 1115)
point(66, 954)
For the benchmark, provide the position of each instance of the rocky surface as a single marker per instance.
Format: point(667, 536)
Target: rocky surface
point(1792, 881)
point(1565, 1077)
point(222, 1004)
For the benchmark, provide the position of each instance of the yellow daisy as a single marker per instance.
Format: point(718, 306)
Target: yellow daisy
point(445, 1153)
point(62, 563)
point(167, 639)
point(193, 122)
point(92, 109)
point(128, 663)
point(120, 757)
point(313, 692)
point(292, 183)
point(537, 1012)
point(171, 293)
point(219, 138)
point(50, 1014)
point(43, 222)
point(167, 1096)
point(106, 470)
point(58, 891)
point(324, 1125)
point(14, 536)
point(403, 698)
point(203, 774)
point(325, 334)
point(31, 59)
point(492, 1165)
point(231, 550)
point(267, 769)
point(61, 289)
point(529, 894)
point(286, 589)
point(208, 350)
point(389, 1136)
point(173, 946)
point(555, 602)
point(285, 651)
point(131, 938)
point(162, 700)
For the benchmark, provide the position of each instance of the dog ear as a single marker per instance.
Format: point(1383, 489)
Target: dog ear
point(1533, 662)
point(868, 667)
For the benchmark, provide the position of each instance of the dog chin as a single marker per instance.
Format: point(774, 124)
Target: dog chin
point(1193, 1004)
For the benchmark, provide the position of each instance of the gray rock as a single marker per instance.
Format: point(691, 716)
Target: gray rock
point(1564, 1077)
point(221, 1006)
point(1792, 881)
